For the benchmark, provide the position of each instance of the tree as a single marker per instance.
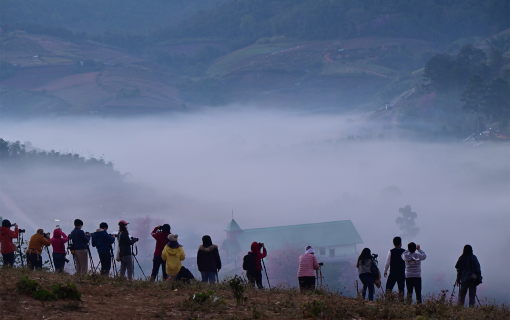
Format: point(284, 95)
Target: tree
point(406, 222)
point(283, 264)
point(496, 102)
point(437, 72)
point(473, 97)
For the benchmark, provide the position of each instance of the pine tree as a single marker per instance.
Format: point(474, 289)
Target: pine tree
point(406, 222)
point(473, 97)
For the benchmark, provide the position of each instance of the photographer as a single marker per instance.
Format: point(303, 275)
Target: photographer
point(308, 263)
point(469, 275)
point(7, 246)
point(367, 271)
point(59, 251)
point(124, 247)
point(80, 247)
point(208, 260)
point(255, 275)
point(160, 233)
point(37, 241)
point(103, 242)
point(413, 258)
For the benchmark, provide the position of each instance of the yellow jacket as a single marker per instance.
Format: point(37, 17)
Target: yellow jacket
point(173, 258)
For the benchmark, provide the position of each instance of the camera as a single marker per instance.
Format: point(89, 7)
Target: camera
point(87, 234)
point(46, 235)
point(261, 244)
point(321, 264)
point(134, 239)
point(112, 235)
point(21, 230)
point(375, 255)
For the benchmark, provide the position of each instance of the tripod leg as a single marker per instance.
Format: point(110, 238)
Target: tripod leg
point(49, 256)
point(139, 266)
point(267, 278)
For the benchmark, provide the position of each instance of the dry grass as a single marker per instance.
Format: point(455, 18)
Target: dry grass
point(120, 299)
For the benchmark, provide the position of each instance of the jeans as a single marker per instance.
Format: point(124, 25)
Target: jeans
point(368, 282)
point(400, 279)
point(255, 277)
point(106, 262)
point(306, 283)
point(8, 259)
point(208, 276)
point(156, 262)
point(416, 284)
point(463, 291)
point(126, 263)
point(34, 260)
point(82, 261)
point(59, 259)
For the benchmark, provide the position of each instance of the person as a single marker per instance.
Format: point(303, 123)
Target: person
point(255, 276)
point(397, 268)
point(173, 255)
point(469, 275)
point(365, 267)
point(80, 241)
point(124, 247)
point(7, 246)
point(208, 260)
point(308, 263)
point(413, 257)
point(160, 233)
point(35, 246)
point(59, 250)
point(103, 243)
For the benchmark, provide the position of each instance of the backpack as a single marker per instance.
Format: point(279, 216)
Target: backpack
point(471, 276)
point(249, 263)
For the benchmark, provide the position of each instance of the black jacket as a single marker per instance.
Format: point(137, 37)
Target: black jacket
point(466, 266)
point(208, 259)
point(125, 244)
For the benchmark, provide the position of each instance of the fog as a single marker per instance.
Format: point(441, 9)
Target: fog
point(278, 168)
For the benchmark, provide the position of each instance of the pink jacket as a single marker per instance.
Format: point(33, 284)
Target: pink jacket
point(307, 264)
point(58, 241)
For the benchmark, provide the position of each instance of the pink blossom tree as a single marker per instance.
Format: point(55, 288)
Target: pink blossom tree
point(283, 264)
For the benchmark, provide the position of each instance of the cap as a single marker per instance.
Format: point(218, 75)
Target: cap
point(123, 222)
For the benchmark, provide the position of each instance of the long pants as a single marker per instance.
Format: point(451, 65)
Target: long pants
point(255, 277)
point(34, 260)
point(416, 284)
point(306, 283)
point(106, 262)
point(400, 280)
point(463, 291)
point(156, 262)
point(82, 261)
point(126, 263)
point(208, 276)
point(8, 259)
point(59, 259)
point(368, 283)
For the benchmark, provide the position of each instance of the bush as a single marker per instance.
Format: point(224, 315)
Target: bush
point(237, 286)
point(27, 286)
point(45, 295)
point(67, 291)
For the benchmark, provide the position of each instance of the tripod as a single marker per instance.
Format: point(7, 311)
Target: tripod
point(91, 260)
point(319, 276)
point(265, 270)
point(134, 256)
point(49, 256)
point(114, 263)
point(453, 292)
point(20, 242)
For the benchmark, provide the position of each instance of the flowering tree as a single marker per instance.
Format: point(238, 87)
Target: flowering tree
point(142, 229)
point(283, 264)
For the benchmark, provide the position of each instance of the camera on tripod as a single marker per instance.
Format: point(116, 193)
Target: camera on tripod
point(134, 239)
point(321, 264)
point(375, 255)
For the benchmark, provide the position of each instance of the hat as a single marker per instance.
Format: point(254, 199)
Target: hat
point(172, 237)
point(6, 223)
point(309, 249)
point(123, 222)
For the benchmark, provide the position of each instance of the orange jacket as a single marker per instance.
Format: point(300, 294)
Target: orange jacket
point(37, 241)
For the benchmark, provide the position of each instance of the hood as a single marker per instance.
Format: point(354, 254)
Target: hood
point(4, 230)
point(57, 233)
point(208, 249)
point(99, 230)
point(255, 247)
point(172, 251)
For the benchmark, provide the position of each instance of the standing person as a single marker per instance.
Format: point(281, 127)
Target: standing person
point(59, 250)
point(103, 243)
point(413, 258)
point(160, 233)
point(255, 275)
point(308, 263)
point(124, 247)
point(365, 267)
point(208, 260)
point(7, 246)
point(397, 268)
point(173, 255)
point(80, 246)
point(469, 275)
point(34, 251)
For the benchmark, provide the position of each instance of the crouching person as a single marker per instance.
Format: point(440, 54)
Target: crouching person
point(208, 260)
point(308, 263)
point(103, 243)
point(173, 255)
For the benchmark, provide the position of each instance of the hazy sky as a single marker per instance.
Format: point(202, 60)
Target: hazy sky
point(279, 169)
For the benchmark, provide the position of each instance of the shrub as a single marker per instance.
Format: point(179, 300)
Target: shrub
point(45, 295)
point(27, 286)
point(314, 309)
point(67, 291)
point(237, 286)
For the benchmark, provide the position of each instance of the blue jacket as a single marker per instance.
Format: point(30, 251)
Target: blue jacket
point(80, 240)
point(102, 241)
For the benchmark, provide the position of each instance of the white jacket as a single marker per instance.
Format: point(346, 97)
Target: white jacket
point(413, 262)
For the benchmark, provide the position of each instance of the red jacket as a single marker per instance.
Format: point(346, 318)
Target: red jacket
point(58, 241)
point(161, 241)
point(255, 249)
point(6, 236)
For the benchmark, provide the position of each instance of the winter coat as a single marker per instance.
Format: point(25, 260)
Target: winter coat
point(102, 241)
point(37, 241)
point(125, 244)
point(173, 258)
point(58, 241)
point(255, 249)
point(413, 262)
point(80, 240)
point(6, 236)
point(307, 264)
point(466, 266)
point(161, 240)
point(208, 259)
